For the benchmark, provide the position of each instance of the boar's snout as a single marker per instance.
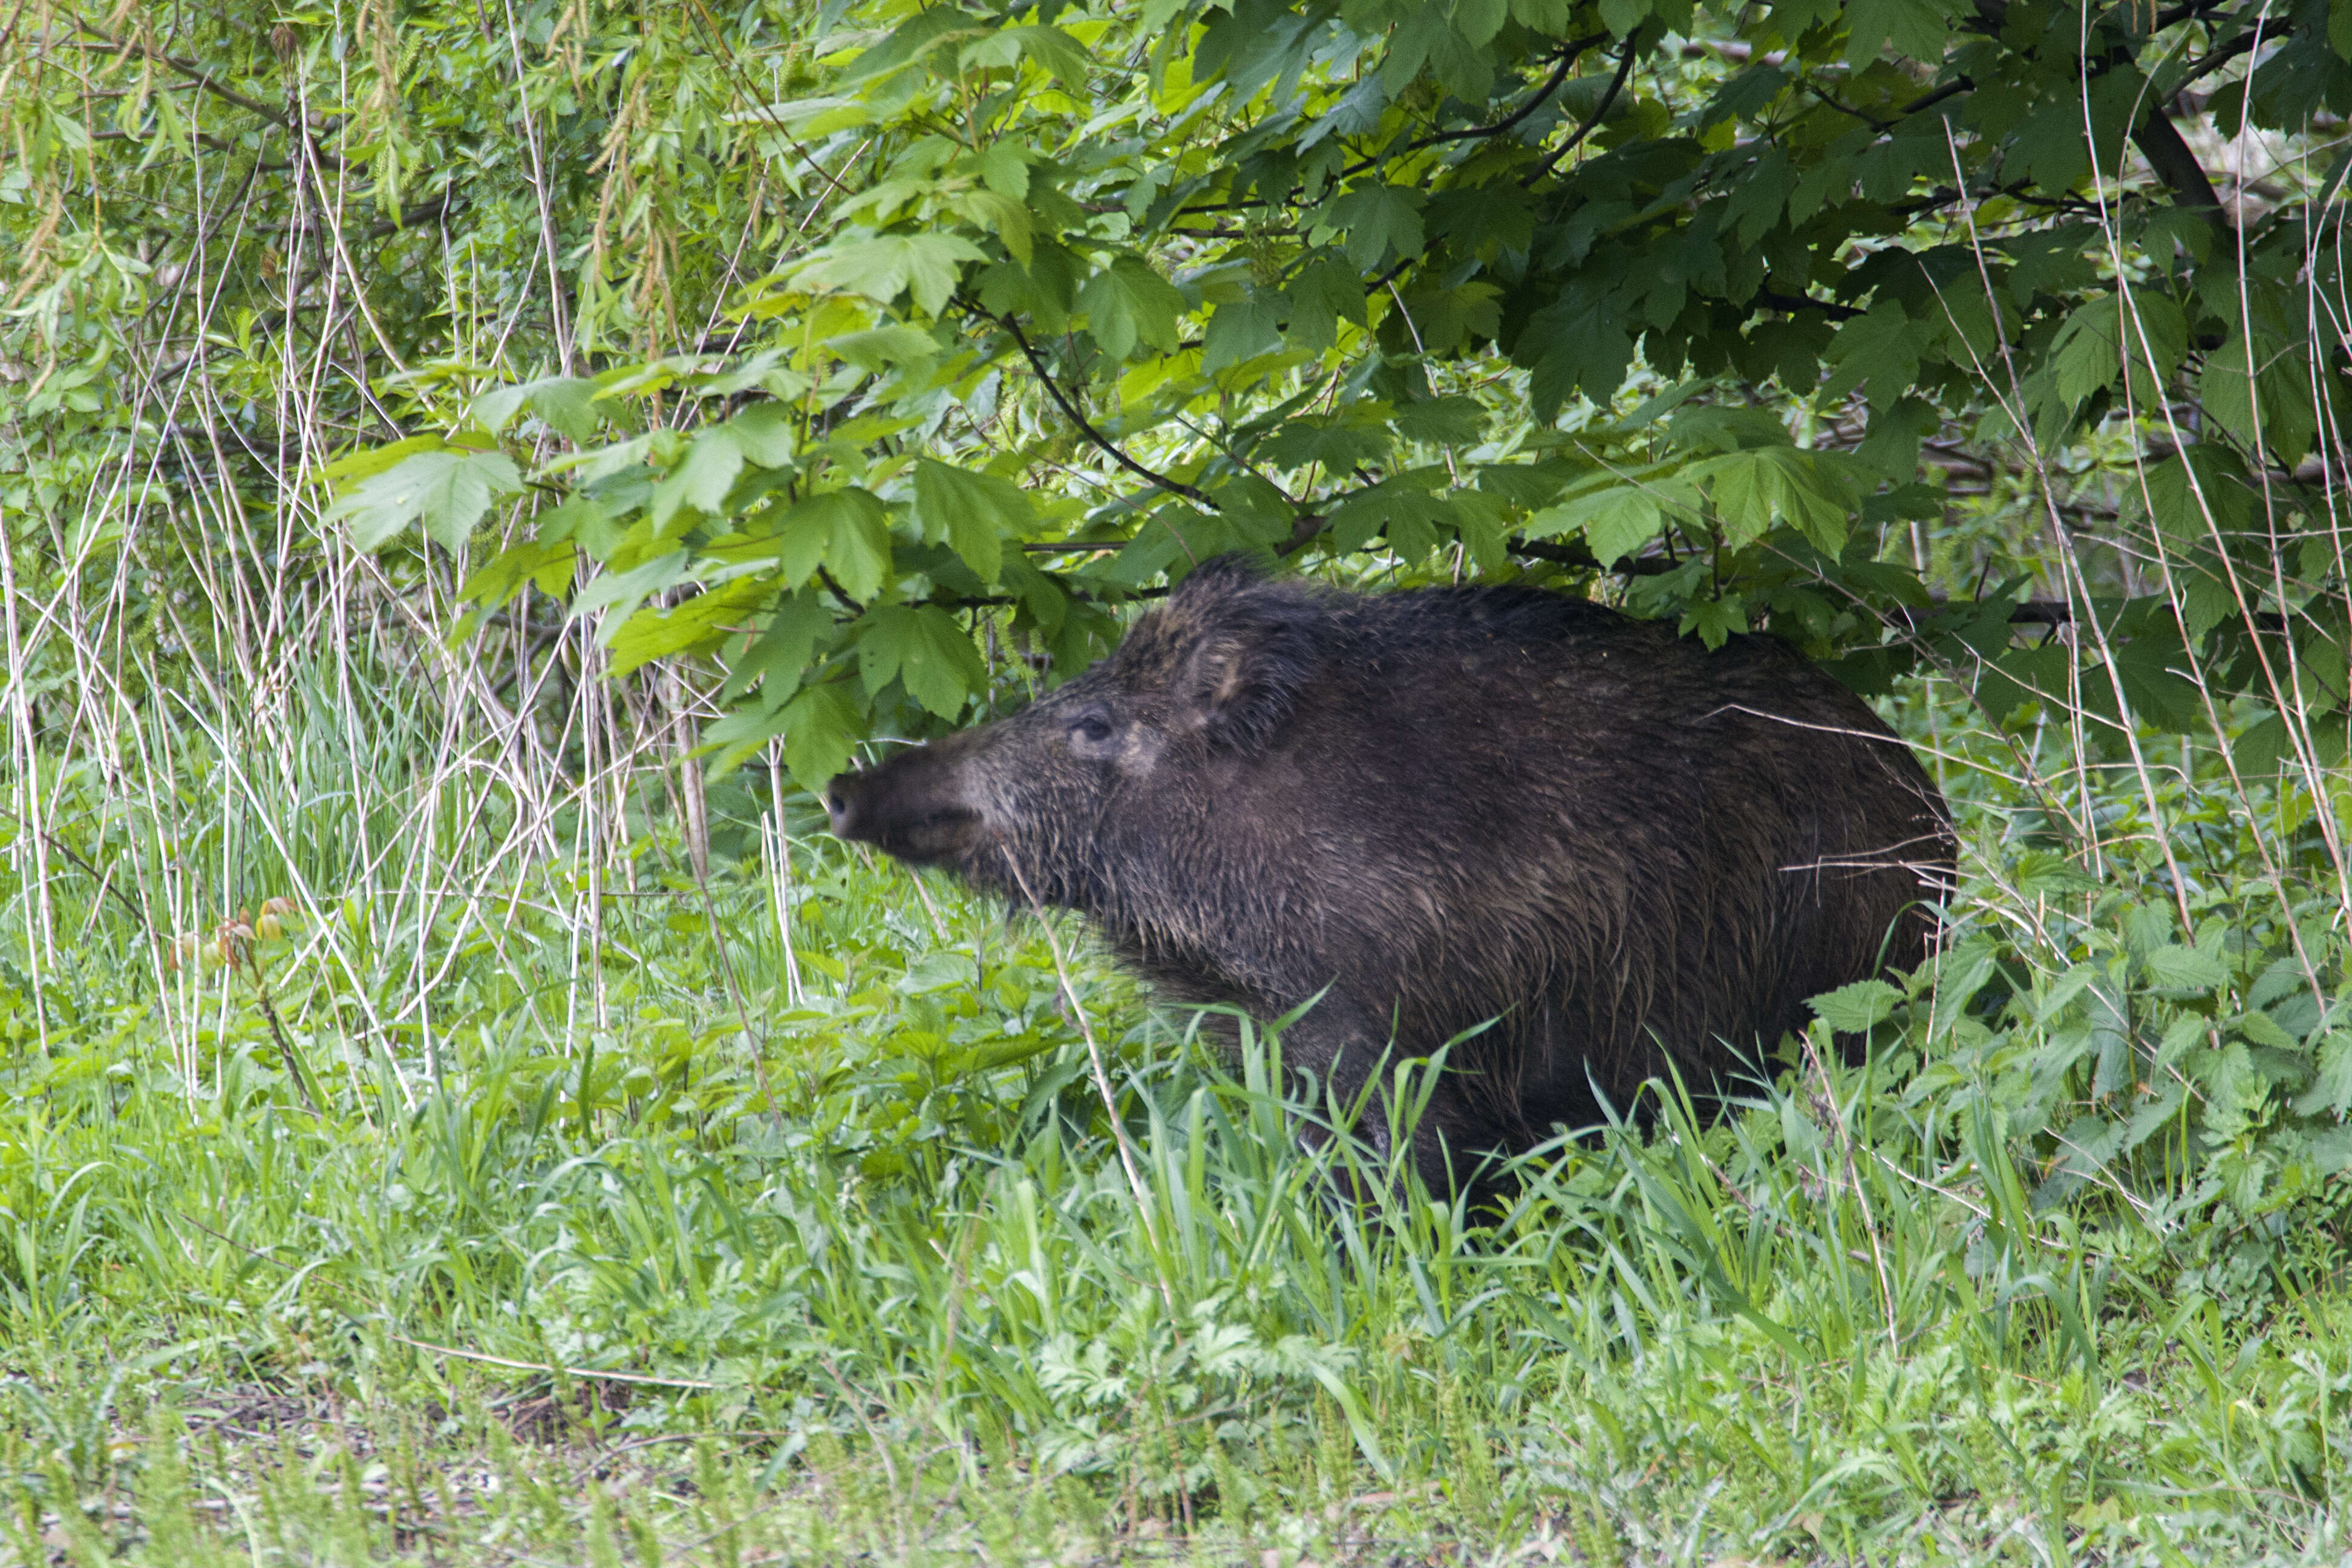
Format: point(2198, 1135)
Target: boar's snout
point(910, 808)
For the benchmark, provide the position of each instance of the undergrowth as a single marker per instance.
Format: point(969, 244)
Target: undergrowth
point(382, 1204)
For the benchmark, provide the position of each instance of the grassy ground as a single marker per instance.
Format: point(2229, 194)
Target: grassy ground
point(501, 1202)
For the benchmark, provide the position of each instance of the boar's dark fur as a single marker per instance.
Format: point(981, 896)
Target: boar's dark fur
point(1440, 807)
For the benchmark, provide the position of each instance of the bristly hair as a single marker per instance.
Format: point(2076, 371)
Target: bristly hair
point(1253, 645)
point(1221, 574)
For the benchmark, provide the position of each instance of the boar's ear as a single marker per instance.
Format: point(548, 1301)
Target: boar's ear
point(1243, 677)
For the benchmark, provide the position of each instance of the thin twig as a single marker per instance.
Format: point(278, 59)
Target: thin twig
point(1101, 1077)
point(591, 1374)
point(1608, 102)
point(201, 77)
point(285, 1047)
point(1086, 426)
point(1568, 58)
point(105, 884)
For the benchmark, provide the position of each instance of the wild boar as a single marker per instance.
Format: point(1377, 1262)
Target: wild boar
point(1441, 807)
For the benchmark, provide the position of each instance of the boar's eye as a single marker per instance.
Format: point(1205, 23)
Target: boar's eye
point(1091, 728)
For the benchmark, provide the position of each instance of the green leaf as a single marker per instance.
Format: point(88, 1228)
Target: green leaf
point(2180, 968)
point(2050, 147)
point(1408, 516)
point(2257, 390)
point(1716, 620)
point(1127, 302)
point(1761, 196)
point(701, 479)
point(1892, 448)
point(1795, 486)
point(549, 564)
point(494, 409)
point(975, 513)
point(1420, 32)
point(887, 265)
point(845, 525)
point(881, 347)
point(1918, 28)
point(1378, 221)
point(925, 649)
point(2155, 339)
point(821, 726)
point(1442, 421)
point(448, 490)
point(1479, 20)
point(1882, 348)
point(2087, 355)
point(780, 656)
point(1056, 53)
point(763, 435)
point(2331, 1083)
point(1000, 215)
point(1359, 1424)
point(1338, 442)
point(623, 592)
point(700, 621)
point(739, 733)
point(858, 548)
point(1616, 522)
point(1720, 427)
point(566, 403)
point(2198, 490)
point(911, 40)
point(1852, 1009)
point(1242, 330)
point(1744, 486)
point(1482, 522)
point(586, 524)
point(369, 462)
point(1324, 292)
point(1003, 170)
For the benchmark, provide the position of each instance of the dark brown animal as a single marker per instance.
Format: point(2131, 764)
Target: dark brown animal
point(1441, 807)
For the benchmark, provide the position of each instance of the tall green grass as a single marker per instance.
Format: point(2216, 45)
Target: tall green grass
point(622, 1230)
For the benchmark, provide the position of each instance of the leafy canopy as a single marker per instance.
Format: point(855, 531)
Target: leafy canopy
point(1013, 313)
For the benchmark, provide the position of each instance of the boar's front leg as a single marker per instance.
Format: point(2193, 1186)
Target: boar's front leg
point(1341, 1059)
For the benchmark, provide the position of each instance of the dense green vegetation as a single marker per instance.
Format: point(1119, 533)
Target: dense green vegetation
point(593, 1261)
point(464, 468)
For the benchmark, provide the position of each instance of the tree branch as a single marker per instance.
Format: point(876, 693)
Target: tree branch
point(1792, 303)
point(1608, 100)
point(2160, 141)
point(1086, 426)
point(1566, 61)
point(412, 216)
point(1581, 556)
point(2221, 56)
point(1568, 58)
point(203, 78)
